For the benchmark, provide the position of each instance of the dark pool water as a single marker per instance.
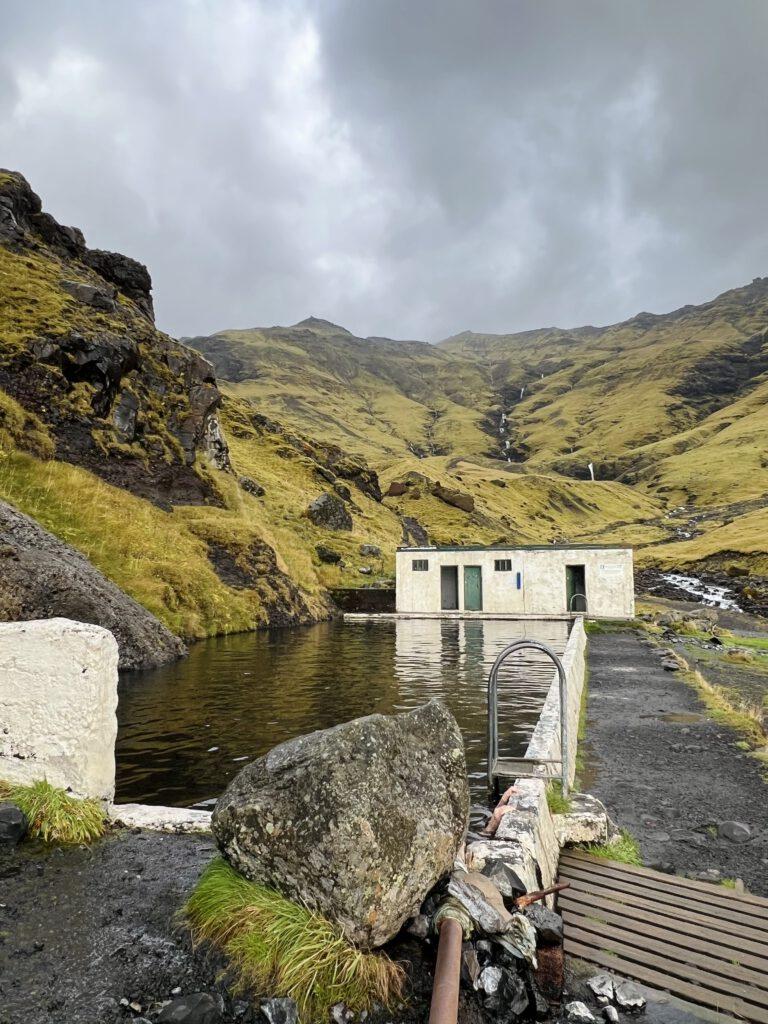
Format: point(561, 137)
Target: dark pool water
point(186, 729)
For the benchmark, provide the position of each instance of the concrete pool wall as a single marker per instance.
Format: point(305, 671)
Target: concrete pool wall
point(529, 837)
point(58, 698)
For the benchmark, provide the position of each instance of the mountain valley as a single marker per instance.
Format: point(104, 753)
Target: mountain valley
point(232, 481)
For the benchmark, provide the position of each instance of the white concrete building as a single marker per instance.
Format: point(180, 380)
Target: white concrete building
point(548, 580)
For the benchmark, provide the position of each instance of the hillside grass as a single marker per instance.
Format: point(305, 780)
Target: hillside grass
point(154, 556)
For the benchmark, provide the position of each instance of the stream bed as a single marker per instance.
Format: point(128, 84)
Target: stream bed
point(186, 729)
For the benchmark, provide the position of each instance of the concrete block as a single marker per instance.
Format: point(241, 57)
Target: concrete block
point(58, 702)
point(161, 819)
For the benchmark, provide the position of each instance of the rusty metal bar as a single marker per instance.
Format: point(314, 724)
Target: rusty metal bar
point(539, 894)
point(445, 990)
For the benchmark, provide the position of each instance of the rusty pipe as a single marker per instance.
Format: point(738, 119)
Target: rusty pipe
point(445, 989)
point(533, 897)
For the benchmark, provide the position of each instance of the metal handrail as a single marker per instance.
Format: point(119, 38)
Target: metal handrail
point(584, 599)
point(493, 710)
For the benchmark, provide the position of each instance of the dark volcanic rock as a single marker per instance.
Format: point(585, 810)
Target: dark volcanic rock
point(196, 1008)
point(358, 822)
point(118, 397)
point(330, 512)
point(456, 498)
point(99, 298)
point(13, 824)
point(41, 577)
point(130, 276)
point(327, 555)
point(251, 487)
point(414, 532)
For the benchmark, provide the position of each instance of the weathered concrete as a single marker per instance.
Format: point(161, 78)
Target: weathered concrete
point(529, 838)
point(535, 584)
point(58, 697)
point(161, 819)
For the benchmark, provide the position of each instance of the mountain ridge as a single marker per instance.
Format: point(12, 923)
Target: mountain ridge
point(191, 479)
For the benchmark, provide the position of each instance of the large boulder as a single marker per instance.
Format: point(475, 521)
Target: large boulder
point(329, 511)
point(41, 577)
point(357, 822)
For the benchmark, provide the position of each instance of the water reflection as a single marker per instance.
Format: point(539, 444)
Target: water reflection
point(186, 729)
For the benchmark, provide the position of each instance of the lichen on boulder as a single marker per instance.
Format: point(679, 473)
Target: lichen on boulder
point(357, 822)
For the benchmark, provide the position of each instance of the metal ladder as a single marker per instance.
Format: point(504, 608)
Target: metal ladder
point(510, 768)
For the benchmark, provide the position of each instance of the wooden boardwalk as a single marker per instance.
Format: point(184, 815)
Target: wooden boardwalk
point(705, 944)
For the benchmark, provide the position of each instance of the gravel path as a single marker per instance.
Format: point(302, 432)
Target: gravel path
point(665, 771)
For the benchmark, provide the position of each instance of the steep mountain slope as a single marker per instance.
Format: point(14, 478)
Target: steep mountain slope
point(669, 410)
point(110, 437)
point(233, 506)
point(627, 397)
point(371, 396)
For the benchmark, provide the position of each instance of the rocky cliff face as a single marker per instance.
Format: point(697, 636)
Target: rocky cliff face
point(78, 348)
point(89, 388)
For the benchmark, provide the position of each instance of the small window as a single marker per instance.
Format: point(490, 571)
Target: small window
point(420, 564)
point(503, 565)
point(519, 581)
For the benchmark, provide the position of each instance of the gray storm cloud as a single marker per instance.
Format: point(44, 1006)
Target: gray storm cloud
point(403, 167)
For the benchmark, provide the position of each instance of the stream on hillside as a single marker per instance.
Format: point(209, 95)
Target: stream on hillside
point(186, 729)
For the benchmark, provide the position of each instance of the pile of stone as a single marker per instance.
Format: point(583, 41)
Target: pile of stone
point(611, 994)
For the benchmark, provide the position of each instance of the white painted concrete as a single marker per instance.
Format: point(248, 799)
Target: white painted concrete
point(540, 571)
point(58, 701)
point(160, 819)
point(529, 837)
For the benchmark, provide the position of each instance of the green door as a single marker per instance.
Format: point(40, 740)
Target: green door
point(575, 588)
point(473, 588)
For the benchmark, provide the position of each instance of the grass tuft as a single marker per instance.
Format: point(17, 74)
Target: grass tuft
point(556, 802)
point(281, 948)
point(54, 815)
point(624, 849)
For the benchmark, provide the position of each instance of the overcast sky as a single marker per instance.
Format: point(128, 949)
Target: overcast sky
point(404, 167)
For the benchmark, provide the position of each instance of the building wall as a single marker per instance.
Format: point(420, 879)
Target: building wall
point(608, 576)
point(58, 701)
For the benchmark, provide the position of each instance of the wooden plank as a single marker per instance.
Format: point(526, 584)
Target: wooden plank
point(712, 896)
point(664, 910)
point(623, 890)
point(678, 986)
point(737, 943)
point(673, 969)
point(573, 911)
point(660, 876)
point(722, 973)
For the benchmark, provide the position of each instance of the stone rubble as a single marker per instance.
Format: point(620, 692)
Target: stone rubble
point(280, 1010)
point(602, 987)
point(579, 1012)
point(628, 996)
point(195, 1008)
point(736, 831)
point(481, 899)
